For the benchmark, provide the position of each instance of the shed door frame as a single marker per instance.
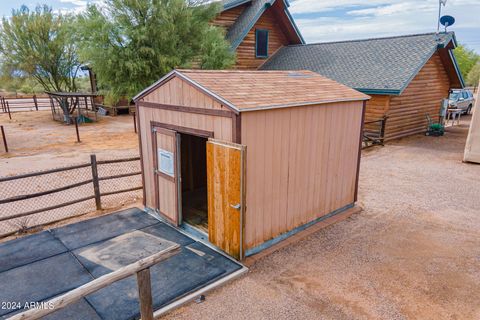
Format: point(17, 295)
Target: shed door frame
point(160, 175)
point(176, 131)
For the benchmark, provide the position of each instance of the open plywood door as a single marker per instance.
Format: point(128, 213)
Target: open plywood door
point(226, 204)
point(165, 151)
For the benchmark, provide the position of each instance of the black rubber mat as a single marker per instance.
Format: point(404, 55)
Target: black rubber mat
point(39, 267)
point(29, 249)
point(93, 230)
point(42, 280)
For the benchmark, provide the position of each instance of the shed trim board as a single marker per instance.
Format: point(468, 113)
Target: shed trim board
point(357, 179)
point(212, 112)
point(144, 192)
point(283, 236)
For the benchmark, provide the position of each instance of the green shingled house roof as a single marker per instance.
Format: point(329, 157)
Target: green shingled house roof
point(372, 66)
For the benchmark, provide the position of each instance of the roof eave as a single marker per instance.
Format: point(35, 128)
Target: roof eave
point(234, 4)
point(300, 104)
point(457, 68)
point(388, 92)
point(292, 21)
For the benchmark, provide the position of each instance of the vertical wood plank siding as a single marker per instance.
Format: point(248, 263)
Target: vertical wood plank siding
point(301, 165)
point(177, 92)
point(423, 95)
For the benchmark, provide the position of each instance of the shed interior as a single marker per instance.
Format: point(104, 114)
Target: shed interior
point(194, 181)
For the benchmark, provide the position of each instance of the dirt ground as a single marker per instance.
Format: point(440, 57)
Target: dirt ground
point(37, 142)
point(413, 253)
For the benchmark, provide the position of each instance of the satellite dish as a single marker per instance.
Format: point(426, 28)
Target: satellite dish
point(447, 21)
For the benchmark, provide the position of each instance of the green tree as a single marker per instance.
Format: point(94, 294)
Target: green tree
point(38, 44)
point(473, 77)
point(466, 59)
point(132, 43)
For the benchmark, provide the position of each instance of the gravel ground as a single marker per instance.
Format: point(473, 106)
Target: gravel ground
point(413, 253)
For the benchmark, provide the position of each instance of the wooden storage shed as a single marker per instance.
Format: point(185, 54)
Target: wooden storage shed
point(248, 158)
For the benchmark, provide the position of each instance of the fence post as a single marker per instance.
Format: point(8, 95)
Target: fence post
point(382, 129)
point(145, 294)
point(8, 110)
point(75, 119)
point(35, 101)
point(4, 139)
point(96, 184)
point(134, 121)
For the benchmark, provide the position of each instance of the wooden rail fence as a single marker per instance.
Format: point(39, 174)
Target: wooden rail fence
point(142, 270)
point(25, 103)
point(374, 132)
point(94, 180)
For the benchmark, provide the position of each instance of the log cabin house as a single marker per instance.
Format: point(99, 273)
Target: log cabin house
point(245, 159)
point(406, 76)
point(256, 29)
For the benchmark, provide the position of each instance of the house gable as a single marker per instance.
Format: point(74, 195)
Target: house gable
point(242, 20)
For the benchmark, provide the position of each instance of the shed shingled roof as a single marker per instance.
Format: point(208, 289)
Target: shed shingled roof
point(260, 90)
point(382, 64)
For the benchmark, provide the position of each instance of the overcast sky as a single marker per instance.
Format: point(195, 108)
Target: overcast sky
point(332, 20)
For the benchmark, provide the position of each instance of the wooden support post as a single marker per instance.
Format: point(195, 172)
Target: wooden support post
point(96, 184)
point(4, 139)
point(382, 130)
point(145, 294)
point(35, 102)
point(75, 120)
point(134, 121)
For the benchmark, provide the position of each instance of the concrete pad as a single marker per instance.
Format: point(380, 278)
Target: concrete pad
point(86, 232)
point(41, 280)
point(104, 257)
point(171, 279)
point(19, 252)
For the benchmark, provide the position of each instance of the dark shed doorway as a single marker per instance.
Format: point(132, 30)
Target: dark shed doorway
point(194, 181)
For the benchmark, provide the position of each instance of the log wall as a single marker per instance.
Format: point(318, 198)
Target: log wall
point(423, 95)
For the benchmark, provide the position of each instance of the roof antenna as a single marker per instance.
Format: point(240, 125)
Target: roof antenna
point(440, 3)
